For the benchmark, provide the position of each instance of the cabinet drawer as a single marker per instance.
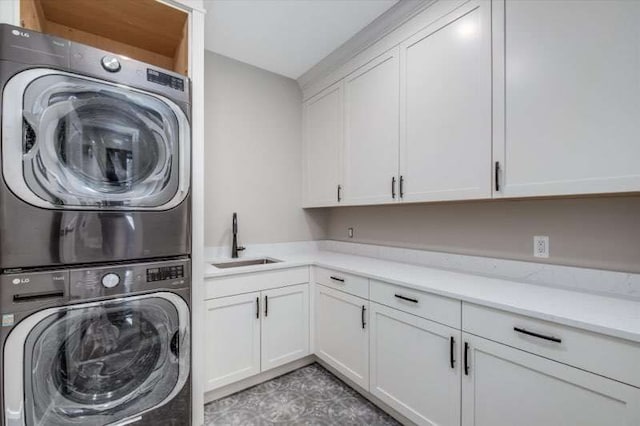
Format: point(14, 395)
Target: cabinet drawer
point(255, 281)
point(430, 306)
point(605, 355)
point(352, 284)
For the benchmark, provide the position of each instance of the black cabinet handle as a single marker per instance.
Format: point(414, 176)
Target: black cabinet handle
point(363, 311)
point(337, 279)
point(266, 306)
point(497, 176)
point(393, 187)
point(401, 186)
point(408, 299)
point(538, 335)
point(466, 358)
point(339, 193)
point(452, 359)
point(258, 307)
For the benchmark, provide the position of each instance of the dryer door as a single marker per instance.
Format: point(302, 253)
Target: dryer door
point(98, 363)
point(83, 143)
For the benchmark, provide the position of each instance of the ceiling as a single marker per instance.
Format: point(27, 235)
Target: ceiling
point(286, 37)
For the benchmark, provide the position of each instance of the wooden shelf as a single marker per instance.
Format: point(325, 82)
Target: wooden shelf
point(145, 30)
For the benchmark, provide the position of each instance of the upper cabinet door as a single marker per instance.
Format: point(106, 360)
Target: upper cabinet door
point(371, 131)
point(567, 73)
point(323, 136)
point(445, 104)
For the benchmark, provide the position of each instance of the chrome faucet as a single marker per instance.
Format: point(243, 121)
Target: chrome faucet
point(234, 247)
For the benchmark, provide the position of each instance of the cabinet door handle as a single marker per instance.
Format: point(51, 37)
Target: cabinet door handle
point(408, 299)
point(496, 176)
point(339, 193)
point(393, 187)
point(266, 306)
point(363, 322)
point(452, 359)
point(401, 186)
point(258, 307)
point(466, 358)
point(337, 279)
point(538, 335)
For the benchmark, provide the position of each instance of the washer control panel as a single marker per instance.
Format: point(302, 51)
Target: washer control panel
point(165, 273)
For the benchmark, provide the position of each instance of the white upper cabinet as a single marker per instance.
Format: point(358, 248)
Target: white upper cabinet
point(567, 92)
point(371, 131)
point(445, 104)
point(323, 143)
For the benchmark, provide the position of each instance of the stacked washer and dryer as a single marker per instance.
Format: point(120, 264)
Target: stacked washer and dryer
point(94, 236)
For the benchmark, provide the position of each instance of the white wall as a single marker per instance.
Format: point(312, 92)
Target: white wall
point(253, 165)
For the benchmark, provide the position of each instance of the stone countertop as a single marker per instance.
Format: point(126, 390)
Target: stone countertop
point(601, 314)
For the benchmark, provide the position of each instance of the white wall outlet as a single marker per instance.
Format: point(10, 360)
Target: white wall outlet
point(541, 246)
point(350, 232)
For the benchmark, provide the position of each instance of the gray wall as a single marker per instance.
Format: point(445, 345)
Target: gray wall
point(253, 154)
point(591, 232)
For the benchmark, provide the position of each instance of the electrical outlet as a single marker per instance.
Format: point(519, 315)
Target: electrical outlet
point(541, 246)
point(350, 232)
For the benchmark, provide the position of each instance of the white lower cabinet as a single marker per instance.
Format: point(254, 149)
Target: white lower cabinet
point(342, 333)
point(285, 325)
point(504, 386)
point(254, 332)
point(232, 342)
point(415, 366)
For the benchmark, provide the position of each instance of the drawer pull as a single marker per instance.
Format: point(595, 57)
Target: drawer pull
point(538, 335)
point(337, 279)
point(408, 299)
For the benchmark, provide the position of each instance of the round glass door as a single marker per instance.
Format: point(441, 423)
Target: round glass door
point(93, 144)
point(99, 364)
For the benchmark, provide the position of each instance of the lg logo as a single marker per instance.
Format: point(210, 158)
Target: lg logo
point(20, 33)
point(17, 281)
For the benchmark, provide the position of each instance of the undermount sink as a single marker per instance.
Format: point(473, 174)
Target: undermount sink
point(248, 262)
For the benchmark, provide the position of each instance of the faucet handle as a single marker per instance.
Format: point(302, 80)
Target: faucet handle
point(241, 248)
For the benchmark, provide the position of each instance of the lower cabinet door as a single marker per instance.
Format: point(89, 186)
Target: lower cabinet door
point(285, 325)
point(231, 339)
point(415, 366)
point(342, 333)
point(504, 386)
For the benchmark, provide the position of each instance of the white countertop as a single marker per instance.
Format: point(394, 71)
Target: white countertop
point(608, 315)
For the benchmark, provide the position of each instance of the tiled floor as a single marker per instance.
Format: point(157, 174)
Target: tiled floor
point(308, 396)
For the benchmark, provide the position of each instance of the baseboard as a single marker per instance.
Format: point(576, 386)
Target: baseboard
point(257, 379)
point(366, 394)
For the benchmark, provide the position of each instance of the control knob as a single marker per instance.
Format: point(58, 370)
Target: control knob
point(110, 280)
point(110, 63)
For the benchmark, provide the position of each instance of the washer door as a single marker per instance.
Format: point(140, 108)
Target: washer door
point(99, 363)
point(84, 143)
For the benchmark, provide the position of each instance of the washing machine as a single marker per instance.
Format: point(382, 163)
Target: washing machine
point(95, 155)
point(107, 345)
